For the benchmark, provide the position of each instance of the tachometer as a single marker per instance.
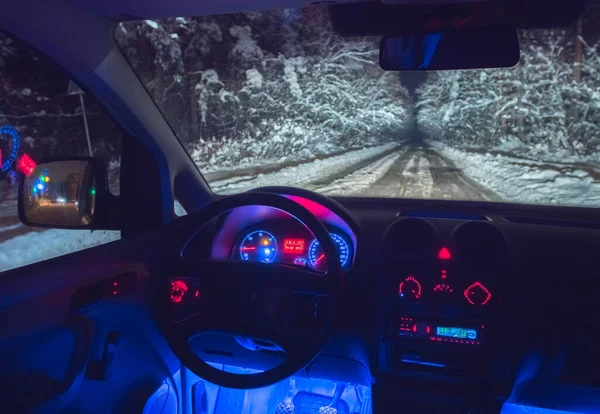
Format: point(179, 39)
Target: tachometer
point(316, 256)
point(259, 246)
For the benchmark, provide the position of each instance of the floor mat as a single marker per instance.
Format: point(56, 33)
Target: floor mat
point(309, 403)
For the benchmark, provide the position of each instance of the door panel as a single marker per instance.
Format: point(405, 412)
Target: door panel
point(46, 349)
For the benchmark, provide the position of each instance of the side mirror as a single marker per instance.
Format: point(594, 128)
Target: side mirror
point(68, 193)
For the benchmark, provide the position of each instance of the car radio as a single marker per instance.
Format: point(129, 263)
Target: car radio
point(439, 330)
point(441, 345)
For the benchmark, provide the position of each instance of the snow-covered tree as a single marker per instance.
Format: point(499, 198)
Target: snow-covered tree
point(268, 87)
point(538, 107)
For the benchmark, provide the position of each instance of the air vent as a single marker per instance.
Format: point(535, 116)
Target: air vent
point(409, 238)
point(481, 243)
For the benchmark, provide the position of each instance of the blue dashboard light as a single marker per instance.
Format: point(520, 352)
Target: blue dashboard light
point(315, 253)
point(260, 246)
point(300, 261)
point(453, 332)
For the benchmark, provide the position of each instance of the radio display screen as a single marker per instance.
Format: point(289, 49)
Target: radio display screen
point(452, 332)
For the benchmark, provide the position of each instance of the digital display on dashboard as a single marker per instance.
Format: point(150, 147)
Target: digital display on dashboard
point(293, 246)
point(452, 332)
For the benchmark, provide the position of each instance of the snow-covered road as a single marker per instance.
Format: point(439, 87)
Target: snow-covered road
point(421, 172)
point(411, 169)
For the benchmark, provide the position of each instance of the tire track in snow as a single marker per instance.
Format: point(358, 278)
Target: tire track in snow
point(423, 173)
point(451, 184)
point(409, 177)
point(361, 178)
point(308, 174)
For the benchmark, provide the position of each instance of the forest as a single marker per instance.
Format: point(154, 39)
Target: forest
point(267, 87)
point(547, 107)
point(272, 87)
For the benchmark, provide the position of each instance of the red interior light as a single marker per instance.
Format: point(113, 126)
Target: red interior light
point(178, 289)
point(471, 291)
point(444, 254)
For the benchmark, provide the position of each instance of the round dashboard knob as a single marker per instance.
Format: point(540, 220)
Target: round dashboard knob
point(477, 294)
point(410, 288)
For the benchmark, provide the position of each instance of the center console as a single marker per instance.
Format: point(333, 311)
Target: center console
point(441, 294)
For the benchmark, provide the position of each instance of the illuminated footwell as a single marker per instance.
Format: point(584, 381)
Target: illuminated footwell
point(295, 395)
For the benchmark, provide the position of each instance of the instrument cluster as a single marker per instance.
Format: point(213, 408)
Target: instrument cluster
point(288, 241)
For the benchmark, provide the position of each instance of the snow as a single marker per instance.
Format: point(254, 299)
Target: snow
point(245, 48)
point(418, 176)
point(37, 246)
point(254, 79)
point(211, 30)
point(361, 179)
point(526, 181)
point(11, 227)
point(302, 175)
point(291, 78)
point(151, 23)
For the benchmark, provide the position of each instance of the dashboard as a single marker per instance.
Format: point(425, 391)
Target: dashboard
point(268, 235)
point(453, 298)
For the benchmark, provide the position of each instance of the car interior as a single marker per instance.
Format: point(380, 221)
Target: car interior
point(281, 299)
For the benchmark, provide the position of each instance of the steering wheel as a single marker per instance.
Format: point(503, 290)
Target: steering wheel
point(241, 298)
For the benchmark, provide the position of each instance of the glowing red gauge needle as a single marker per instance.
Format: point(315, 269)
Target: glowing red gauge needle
point(317, 261)
point(244, 249)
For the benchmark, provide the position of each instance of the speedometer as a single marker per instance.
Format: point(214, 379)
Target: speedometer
point(259, 246)
point(316, 256)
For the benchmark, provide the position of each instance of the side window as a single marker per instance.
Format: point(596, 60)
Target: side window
point(45, 115)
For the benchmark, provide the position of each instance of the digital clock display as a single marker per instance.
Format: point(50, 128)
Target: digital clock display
point(452, 332)
point(293, 246)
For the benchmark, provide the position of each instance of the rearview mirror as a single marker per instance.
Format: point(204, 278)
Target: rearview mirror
point(479, 48)
point(69, 193)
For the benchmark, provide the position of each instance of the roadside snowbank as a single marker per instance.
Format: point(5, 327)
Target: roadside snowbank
point(301, 175)
point(523, 181)
point(37, 246)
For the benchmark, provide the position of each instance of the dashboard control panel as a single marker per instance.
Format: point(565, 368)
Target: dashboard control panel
point(442, 289)
point(442, 283)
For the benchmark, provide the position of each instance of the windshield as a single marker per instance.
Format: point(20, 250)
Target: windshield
point(277, 98)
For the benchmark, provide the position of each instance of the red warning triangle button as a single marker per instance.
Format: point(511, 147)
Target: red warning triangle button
point(444, 254)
